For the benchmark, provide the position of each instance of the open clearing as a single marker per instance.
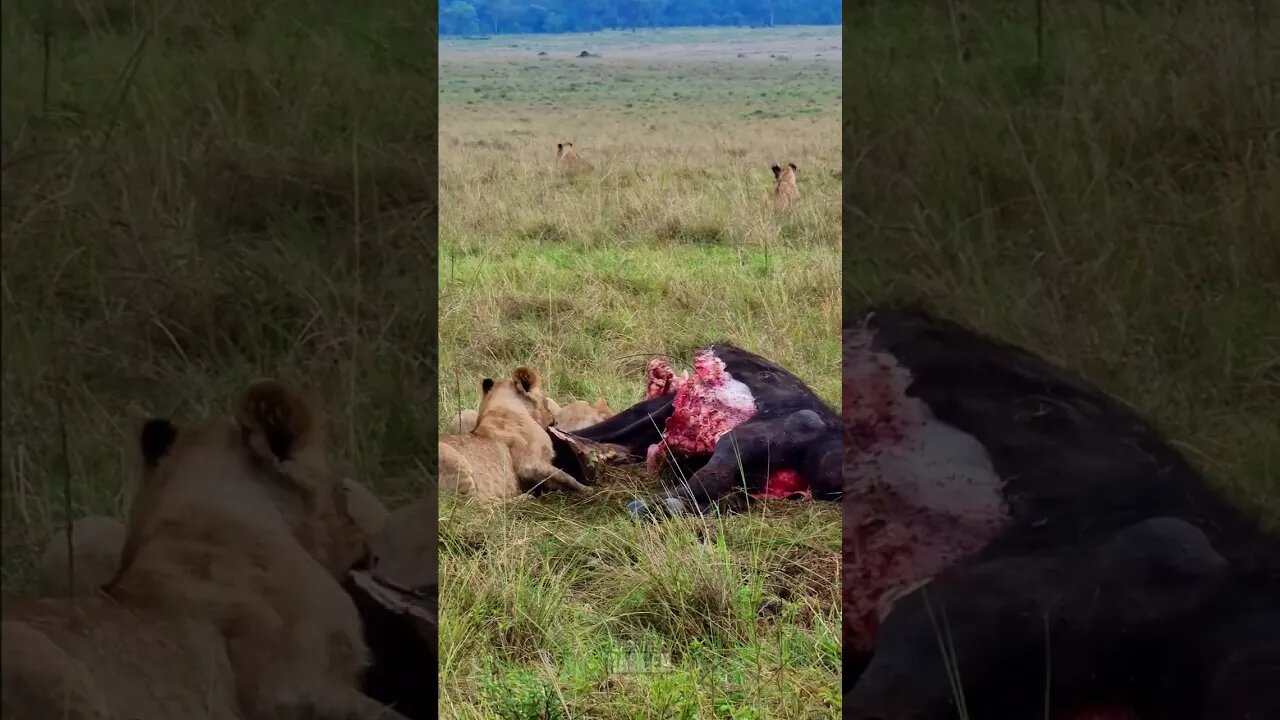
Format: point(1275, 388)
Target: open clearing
point(562, 607)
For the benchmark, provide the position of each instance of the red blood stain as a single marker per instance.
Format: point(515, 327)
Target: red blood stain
point(893, 540)
point(785, 484)
point(706, 406)
point(893, 545)
point(662, 379)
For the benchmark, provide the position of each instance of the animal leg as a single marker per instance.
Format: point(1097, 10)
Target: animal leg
point(455, 472)
point(740, 464)
point(552, 477)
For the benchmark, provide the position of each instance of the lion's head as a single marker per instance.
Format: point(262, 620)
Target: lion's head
point(273, 447)
point(522, 391)
point(785, 180)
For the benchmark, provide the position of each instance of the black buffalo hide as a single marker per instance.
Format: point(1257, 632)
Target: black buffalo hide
point(1057, 542)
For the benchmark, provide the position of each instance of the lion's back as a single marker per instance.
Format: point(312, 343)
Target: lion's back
point(477, 467)
point(49, 647)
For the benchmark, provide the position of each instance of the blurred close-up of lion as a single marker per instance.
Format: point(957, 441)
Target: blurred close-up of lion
point(784, 189)
point(226, 600)
point(509, 451)
point(568, 160)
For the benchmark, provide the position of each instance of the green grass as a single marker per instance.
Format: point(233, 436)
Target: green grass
point(202, 197)
point(561, 606)
point(1115, 206)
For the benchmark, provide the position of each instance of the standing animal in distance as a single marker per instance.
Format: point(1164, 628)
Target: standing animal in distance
point(785, 189)
point(569, 161)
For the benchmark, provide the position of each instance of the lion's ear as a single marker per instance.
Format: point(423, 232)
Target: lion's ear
point(278, 422)
point(559, 146)
point(526, 378)
point(486, 385)
point(793, 167)
point(155, 439)
point(602, 404)
point(776, 171)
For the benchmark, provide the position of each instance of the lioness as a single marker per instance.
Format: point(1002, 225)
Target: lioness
point(509, 451)
point(785, 189)
point(95, 547)
point(580, 414)
point(226, 602)
point(569, 160)
point(97, 542)
point(574, 416)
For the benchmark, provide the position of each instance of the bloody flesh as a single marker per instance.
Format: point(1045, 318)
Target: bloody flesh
point(914, 504)
point(706, 406)
point(906, 519)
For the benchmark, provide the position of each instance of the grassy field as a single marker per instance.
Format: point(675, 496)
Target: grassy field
point(1111, 200)
point(196, 198)
point(562, 607)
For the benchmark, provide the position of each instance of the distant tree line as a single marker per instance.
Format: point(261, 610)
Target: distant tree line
point(477, 17)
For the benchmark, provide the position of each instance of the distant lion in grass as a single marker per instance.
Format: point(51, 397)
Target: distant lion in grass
point(785, 190)
point(569, 161)
point(509, 451)
point(227, 601)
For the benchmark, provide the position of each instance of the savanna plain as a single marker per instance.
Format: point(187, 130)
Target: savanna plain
point(562, 606)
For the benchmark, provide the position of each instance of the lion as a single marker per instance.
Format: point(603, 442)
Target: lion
point(569, 160)
point(227, 600)
point(785, 189)
point(509, 451)
point(574, 416)
point(580, 414)
point(96, 542)
point(365, 508)
point(463, 422)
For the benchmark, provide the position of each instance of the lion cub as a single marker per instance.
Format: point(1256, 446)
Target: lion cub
point(581, 414)
point(785, 189)
point(226, 601)
point(569, 160)
point(509, 451)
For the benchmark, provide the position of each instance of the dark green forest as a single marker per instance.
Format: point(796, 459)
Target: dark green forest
point(486, 17)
